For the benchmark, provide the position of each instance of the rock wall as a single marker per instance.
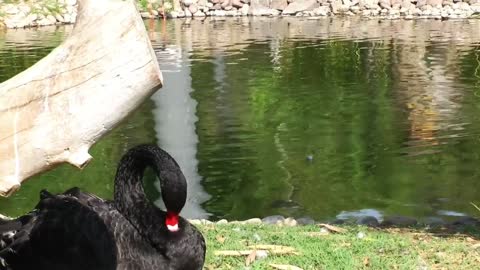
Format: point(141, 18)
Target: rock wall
point(388, 9)
point(37, 13)
point(42, 12)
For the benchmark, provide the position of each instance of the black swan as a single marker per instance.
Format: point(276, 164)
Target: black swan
point(77, 230)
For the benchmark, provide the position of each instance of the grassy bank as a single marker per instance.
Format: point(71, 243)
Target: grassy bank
point(352, 248)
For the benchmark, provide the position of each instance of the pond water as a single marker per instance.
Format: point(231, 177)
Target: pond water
point(322, 118)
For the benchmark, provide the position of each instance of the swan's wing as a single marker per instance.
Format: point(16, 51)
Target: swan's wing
point(133, 250)
point(191, 245)
point(61, 233)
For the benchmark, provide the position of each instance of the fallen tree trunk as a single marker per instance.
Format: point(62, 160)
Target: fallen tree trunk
point(55, 110)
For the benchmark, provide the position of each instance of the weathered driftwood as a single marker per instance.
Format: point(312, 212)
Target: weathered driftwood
point(55, 110)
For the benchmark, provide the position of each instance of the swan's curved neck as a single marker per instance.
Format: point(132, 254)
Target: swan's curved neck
point(130, 198)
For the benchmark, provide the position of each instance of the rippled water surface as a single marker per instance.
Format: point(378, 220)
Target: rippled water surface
point(323, 118)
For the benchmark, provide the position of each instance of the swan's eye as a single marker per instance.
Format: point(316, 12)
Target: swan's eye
point(172, 221)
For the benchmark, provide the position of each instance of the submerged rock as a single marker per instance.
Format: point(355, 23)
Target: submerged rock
point(434, 222)
point(368, 221)
point(305, 221)
point(399, 221)
point(466, 221)
point(273, 219)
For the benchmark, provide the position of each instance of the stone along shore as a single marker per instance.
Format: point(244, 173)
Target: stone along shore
point(388, 9)
point(37, 13)
point(40, 12)
point(389, 221)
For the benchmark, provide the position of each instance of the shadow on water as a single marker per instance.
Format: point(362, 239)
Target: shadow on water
point(323, 118)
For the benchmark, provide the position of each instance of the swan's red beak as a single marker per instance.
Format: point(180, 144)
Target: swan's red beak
point(172, 221)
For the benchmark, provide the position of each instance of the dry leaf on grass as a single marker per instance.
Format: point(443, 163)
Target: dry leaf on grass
point(232, 252)
point(220, 238)
point(316, 234)
point(273, 248)
point(251, 258)
point(285, 267)
point(476, 246)
point(332, 228)
point(366, 262)
point(210, 267)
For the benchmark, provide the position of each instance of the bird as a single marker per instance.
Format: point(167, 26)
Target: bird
point(78, 230)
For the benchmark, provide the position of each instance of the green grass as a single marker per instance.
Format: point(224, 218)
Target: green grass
point(378, 249)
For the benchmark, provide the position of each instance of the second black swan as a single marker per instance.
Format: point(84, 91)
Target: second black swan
point(77, 230)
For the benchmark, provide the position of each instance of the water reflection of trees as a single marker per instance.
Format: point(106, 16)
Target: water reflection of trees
point(386, 116)
point(17, 52)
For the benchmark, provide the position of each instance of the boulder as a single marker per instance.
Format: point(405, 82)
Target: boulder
point(434, 3)
point(237, 3)
point(386, 4)
point(226, 3)
point(406, 4)
point(279, 4)
point(466, 222)
point(199, 14)
point(464, 6)
point(219, 13)
point(368, 221)
point(368, 4)
point(321, 11)
point(434, 222)
point(399, 221)
point(336, 7)
point(305, 221)
point(421, 3)
point(244, 10)
point(187, 3)
point(193, 8)
point(257, 8)
point(10, 9)
point(273, 219)
point(299, 6)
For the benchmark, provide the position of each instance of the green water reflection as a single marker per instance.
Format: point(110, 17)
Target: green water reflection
point(389, 116)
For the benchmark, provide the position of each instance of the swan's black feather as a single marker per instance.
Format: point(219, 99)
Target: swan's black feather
point(61, 233)
point(78, 230)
